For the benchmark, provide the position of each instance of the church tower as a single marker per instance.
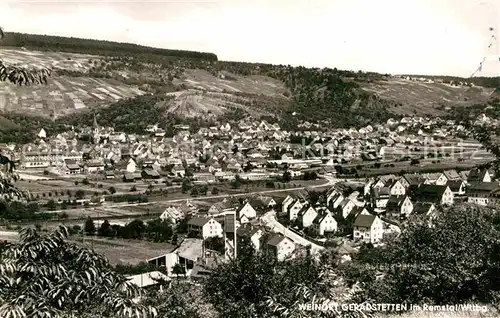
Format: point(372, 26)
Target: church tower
point(96, 131)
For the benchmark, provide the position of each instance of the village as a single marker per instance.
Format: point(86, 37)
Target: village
point(289, 192)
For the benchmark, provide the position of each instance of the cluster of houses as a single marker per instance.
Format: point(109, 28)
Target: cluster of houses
point(251, 150)
point(365, 212)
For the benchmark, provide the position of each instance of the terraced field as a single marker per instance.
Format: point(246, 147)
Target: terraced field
point(431, 98)
point(63, 95)
point(213, 96)
point(232, 83)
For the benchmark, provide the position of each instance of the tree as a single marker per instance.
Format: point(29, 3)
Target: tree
point(243, 287)
point(159, 231)
point(22, 75)
point(175, 239)
point(236, 183)
point(178, 270)
point(194, 191)
point(286, 177)
point(135, 229)
point(186, 186)
point(51, 205)
point(215, 191)
point(105, 229)
point(89, 226)
point(215, 243)
point(112, 190)
point(79, 194)
point(133, 189)
point(46, 276)
point(457, 250)
point(151, 188)
point(181, 301)
point(182, 226)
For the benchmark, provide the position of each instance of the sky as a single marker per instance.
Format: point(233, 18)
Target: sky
point(433, 37)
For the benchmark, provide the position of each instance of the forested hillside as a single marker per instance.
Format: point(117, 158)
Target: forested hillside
point(195, 87)
point(94, 47)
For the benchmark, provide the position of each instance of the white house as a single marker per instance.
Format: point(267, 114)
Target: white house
point(479, 175)
point(437, 194)
point(254, 233)
point(399, 205)
point(368, 228)
point(482, 193)
point(324, 222)
point(286, 203)
point(457, 187)
point(248, 211)
point(131, 166)
point(346, 207)
point(173, 214)
point(294, 208)
point(268, 202)
point(205, 227)
point(42, 134)
point(435, 178)
point(281, 246)
point(397, 188)
point(307, 215)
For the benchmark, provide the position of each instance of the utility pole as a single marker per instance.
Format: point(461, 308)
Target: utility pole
point(235, 236)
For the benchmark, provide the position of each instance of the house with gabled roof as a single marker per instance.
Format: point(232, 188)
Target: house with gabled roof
point(422, 208)
point(399, 206)
point(368, 228)
point(307, 215)
point(294, 208)
point(435, 178)
point(268, 202)
point(72, 167)
point(457, 187)
point(281, 246)
point(286, 203)
point(379, 197)
point(173, 214)
point(324, 223)
point(335, 200)
point(413, 180)
point(482, 193)
point(346, 207)
point(248, 211)
point(479, 175)
point(254, 233)
point(437, 194)
point(205, 227)
point(150, 174)
point(222, 207)
point(452, 175)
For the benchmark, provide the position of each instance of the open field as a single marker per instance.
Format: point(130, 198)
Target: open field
point(118, 251)
point(423, 99)
point(126, 251)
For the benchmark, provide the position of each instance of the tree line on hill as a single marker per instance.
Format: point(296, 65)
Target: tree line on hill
point(95, 47)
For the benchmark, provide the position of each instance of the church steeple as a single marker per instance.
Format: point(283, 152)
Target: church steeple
point(94, 124)
point(95, 130)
